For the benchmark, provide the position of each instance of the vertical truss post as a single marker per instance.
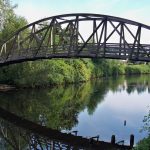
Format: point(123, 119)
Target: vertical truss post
point(49, 40)
point(138, 45)
point(136, 39)
point(124, 45)
point(100, 39)
point(60, 33)
point(96, 33)
point(121, 34)
point(30, 38)
point(11, 47)
point(95, 36)
point(85, 43)
point(18, 42)
point(77, 31)
point(53, 36)
point(94, 27)
point(3, 48)
point(71, 33)
point(105, 37)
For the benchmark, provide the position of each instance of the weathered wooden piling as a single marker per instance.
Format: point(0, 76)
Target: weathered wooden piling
point(113, 139)
point(131, 140)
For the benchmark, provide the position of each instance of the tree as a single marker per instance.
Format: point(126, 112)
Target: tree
point(9, 22)
point(6, 12)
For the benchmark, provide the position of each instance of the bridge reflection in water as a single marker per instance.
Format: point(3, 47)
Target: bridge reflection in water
point(18, 133)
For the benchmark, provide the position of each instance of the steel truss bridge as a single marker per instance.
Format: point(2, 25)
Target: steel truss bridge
point(78, 36)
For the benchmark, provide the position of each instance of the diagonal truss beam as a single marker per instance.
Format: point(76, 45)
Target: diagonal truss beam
point(91, 36)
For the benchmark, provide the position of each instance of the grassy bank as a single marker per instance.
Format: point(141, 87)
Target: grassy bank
point(64, 71)
point(137, 69)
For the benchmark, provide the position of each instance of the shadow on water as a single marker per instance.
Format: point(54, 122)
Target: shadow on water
point(18, 133)
point(59, 107)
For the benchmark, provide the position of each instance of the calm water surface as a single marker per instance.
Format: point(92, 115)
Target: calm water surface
point(98, 107)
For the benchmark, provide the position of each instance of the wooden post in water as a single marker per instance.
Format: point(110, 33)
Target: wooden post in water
point(131, 140)
point(113, 139)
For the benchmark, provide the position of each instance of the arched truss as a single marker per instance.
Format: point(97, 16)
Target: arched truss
point(78, 35)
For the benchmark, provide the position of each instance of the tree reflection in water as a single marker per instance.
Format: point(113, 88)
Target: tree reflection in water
point(61, 105)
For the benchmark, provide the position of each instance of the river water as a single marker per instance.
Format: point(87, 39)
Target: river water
point(104, 107)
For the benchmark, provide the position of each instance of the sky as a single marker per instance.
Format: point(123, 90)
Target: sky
point(33, 10)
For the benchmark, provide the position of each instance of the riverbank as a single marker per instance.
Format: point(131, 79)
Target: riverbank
point(66, 71)
point(5, 87)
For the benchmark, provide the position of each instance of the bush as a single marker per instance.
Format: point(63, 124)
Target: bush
point(137, 69)
point(143, 144)
point(62, 71)
point(50, 72)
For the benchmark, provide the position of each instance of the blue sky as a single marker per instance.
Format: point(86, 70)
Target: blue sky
point(33, 10)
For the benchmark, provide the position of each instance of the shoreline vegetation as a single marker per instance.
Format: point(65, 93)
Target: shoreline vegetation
point(65, 71)
point(44, 73)
point(57, 72)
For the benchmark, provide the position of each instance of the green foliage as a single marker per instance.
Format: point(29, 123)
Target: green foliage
point(11, 26)
point(98, 68)
point(137, 69)
point(10, 22)
point(62, 71)
point(59, 72)
point(108, 67)
point(6, 12)
point(68, 71)
point(50, 72)
point(143, 144)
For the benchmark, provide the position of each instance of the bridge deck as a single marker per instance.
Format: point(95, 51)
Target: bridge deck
point(110, 52)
